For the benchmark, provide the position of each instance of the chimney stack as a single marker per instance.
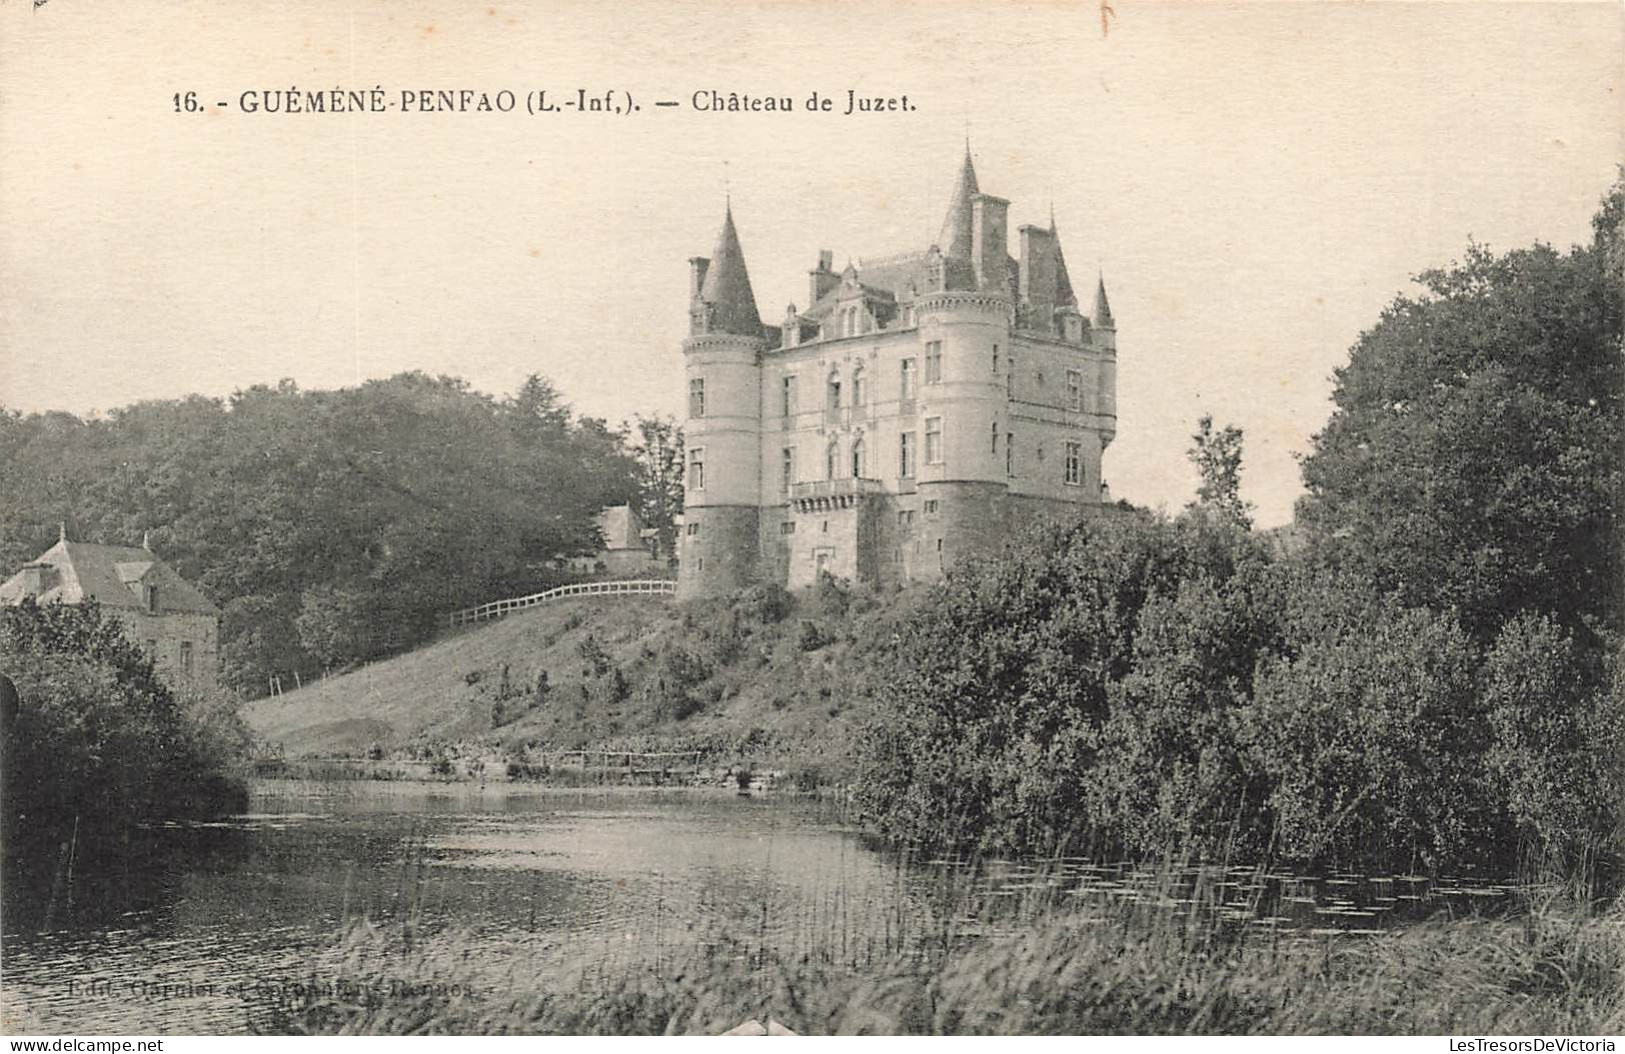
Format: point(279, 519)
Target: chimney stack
point(697, 266)
point(1038, 275)
point(989, 245)
point(822, 279)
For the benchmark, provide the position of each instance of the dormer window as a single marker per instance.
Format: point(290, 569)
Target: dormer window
point(150, 594)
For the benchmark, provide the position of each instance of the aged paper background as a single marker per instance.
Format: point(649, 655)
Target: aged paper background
point(1256, 181)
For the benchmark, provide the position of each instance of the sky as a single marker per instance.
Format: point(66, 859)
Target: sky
point(1255, 181)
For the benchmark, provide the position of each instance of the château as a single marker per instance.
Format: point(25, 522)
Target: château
point(919, 409)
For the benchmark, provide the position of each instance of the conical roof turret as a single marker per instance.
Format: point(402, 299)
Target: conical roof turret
point(1103, 309)
point(955, 239)
point(726, 289)
point(1064, 296)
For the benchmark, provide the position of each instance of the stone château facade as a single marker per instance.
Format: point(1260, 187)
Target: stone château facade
point(922, 407)
point(159, 610)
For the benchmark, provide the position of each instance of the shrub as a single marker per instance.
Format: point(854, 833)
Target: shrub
point(98, 738)
point(1372, 736)
point(992, 704)
point(1558, 737)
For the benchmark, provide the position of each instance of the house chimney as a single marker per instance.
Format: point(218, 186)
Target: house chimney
point(1038, 278)
point(823, 279)
point(989, 247)
point(697, 266)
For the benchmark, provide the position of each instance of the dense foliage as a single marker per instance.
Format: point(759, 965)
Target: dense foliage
point(1138, 685)
point(1430, 679)
point(1473, 460)
point(330, 526)
point(99, 741)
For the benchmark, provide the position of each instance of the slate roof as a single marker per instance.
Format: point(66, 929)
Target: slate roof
point(889, 284)
point(1103, 309)
point(727, 286)
point(1064, 296)
point(111, 575)
point(955, 239)
point(621, 527)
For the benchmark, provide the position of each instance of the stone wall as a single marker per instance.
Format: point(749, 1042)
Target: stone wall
point(165, 636)
point(720, 555)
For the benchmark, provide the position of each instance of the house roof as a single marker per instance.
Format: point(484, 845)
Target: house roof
point(113, 576)
point(621, 527)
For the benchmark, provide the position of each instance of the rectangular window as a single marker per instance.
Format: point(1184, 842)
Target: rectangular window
point(1074, 389)
point(696, 468)
point(931, 507)
point(787, 527)
point(905, 455)
point(933, 362)
point(787, 468)
point(789, 396)
point(995, 360)
point(905, 518)
point(1074, 464)
point(186, 656)
point(1009, 453)
point(1010, 378)
point(693, 529)
point(995, 438)
point(933, 440)
point(696, 397)
point(907, 374)
point(152, 599)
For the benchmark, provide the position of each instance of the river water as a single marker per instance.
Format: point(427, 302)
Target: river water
point(183, 930)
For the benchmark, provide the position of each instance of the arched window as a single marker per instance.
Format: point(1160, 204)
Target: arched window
point(859, 465)
point(834, 391)
point(857, 385)
point(832, 460)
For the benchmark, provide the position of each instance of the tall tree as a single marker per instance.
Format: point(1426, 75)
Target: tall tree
point(658, 450)
point(329, 525)
point(1217, 457)
point(1473, 460)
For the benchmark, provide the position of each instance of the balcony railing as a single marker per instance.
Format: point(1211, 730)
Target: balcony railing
point(833, 493)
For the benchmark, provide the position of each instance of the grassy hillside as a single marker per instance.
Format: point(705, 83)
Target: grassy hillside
point(760, 676)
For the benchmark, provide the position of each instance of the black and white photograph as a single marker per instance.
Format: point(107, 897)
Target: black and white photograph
point(795, 519)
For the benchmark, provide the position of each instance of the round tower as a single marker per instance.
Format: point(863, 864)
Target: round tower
point(719, 550)
point(963, 485)
point(964, 331)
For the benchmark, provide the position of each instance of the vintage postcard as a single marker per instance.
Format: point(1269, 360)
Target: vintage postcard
point(806, 518)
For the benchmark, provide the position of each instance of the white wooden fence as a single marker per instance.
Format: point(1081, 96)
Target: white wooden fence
point(499, 608)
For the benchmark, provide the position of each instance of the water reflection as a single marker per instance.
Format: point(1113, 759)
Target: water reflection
point(163, 934)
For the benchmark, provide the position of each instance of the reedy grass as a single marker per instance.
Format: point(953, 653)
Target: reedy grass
point(1129, 967)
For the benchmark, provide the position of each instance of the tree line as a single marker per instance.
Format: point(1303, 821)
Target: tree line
point(337, 526)
point(1424, 671)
